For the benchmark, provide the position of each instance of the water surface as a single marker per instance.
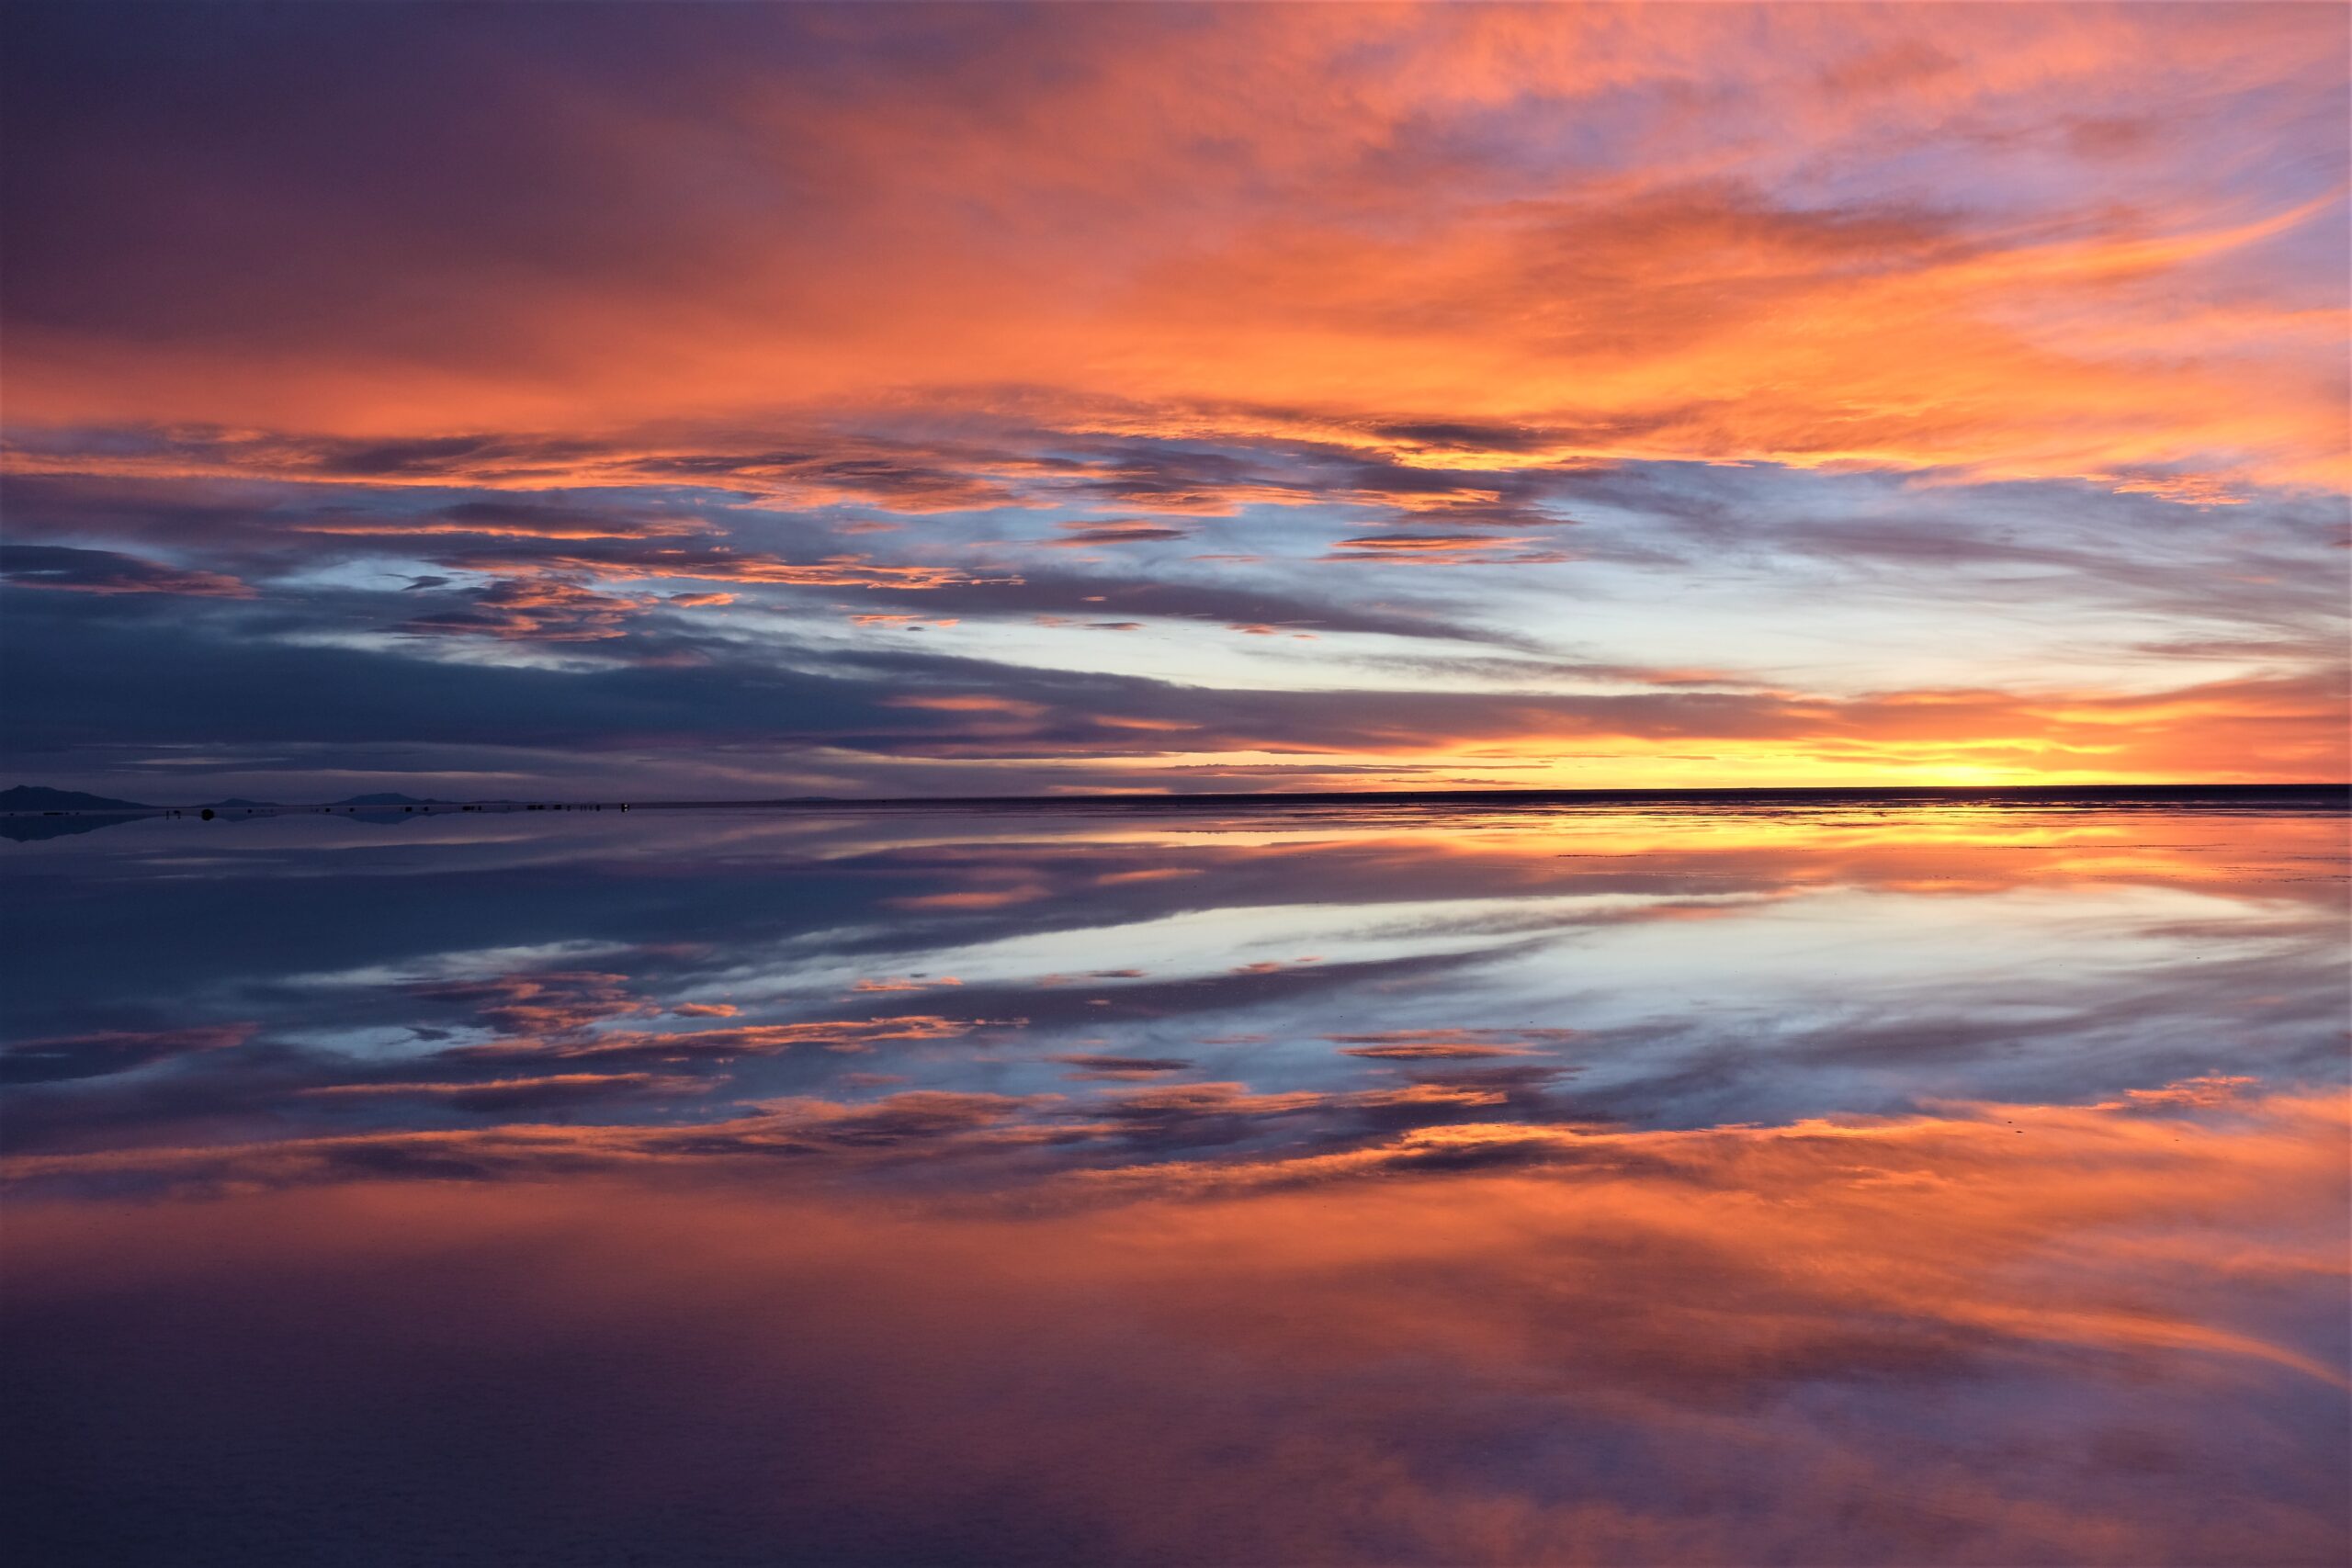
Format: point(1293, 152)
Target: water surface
point(1649, 1182)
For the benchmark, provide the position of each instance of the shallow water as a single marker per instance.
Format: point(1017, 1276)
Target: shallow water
point(1647, 1183)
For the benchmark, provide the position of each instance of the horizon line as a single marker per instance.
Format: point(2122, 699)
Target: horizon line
point(1303, 797)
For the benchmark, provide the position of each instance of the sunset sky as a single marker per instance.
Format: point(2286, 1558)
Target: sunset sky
point(761, 400)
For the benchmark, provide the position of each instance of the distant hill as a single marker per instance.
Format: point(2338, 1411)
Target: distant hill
point(40, 797)
point(388, 800)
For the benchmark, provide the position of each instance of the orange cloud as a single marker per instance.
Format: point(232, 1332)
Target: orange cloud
point(974, 899)
point(1672, 285)
point(968, 702)
point(1431, 544)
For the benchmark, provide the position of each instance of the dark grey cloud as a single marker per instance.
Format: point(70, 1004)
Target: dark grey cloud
point(107, 571)
point(106, 1052)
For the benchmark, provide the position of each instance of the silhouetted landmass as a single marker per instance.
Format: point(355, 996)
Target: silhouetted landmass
point(40, 797)
point(31, 811)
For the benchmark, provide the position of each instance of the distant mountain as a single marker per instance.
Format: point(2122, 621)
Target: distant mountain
point(233, 800)
point(388, 800)
point(40, 797)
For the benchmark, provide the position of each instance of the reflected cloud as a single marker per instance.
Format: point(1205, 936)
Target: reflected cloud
point(1966, 1186)
point(108, 1052)
point(548, 1092)
point(1748, 1342)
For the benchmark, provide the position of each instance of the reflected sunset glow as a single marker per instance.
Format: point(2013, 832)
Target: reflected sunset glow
point(1365, 1183)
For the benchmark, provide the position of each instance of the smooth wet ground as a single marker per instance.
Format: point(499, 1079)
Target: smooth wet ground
point(1655, 1184)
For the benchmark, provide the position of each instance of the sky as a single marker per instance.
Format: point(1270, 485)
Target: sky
point(740, 401)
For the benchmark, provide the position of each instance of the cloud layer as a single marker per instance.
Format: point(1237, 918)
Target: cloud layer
point(1554, 395)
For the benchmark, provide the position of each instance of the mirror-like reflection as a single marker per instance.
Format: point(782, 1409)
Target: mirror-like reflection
point(1667, 1184)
